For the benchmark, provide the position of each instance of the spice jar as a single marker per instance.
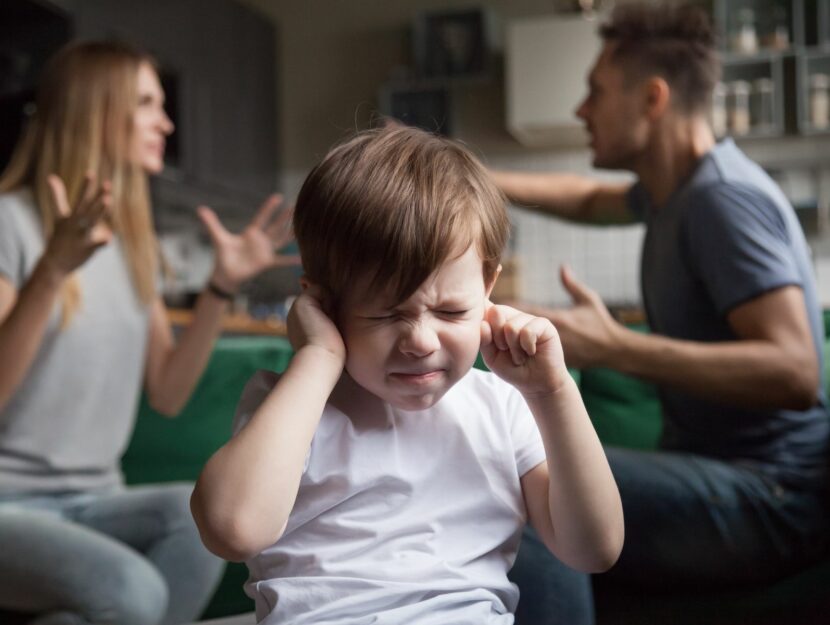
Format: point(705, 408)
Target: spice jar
point(719, 122)
point(762, 111)
point(820, 101)
point(778, 37)
point(738, 109)
point(745, 37)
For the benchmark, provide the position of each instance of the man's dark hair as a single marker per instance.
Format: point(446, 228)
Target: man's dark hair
point(674, 42)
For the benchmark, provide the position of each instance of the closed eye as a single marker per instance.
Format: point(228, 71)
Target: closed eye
point(147, 99)
point(453, 313)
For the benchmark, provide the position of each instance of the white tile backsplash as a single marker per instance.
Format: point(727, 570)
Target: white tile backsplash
point(606, 259)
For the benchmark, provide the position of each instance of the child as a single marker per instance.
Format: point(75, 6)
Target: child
point(380, 478)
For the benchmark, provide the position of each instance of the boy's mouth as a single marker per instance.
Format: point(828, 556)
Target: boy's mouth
point(417, 377)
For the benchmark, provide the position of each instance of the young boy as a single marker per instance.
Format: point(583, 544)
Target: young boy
point(380, 479)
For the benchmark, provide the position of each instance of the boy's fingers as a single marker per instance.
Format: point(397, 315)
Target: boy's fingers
point(488, 349)
point(512, 329)
point(486, 334)
point(512, 333)
point(496, 320)
point(533, 333)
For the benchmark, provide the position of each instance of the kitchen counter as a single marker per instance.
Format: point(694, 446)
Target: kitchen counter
point(233, 323)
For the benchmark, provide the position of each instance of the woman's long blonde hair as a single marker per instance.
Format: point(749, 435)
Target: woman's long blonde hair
point(84, 122)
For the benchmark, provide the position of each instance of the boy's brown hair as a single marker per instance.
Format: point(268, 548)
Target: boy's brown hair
point(392, 205)
point(675, 42)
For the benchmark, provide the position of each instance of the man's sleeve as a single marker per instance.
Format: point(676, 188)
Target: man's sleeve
point(738, 245)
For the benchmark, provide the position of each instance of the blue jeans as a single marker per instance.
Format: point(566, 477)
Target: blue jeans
point(549, 592)
point(690, 522)
point(130, 556)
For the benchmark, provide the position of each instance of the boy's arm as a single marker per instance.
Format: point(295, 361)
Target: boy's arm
point(247, 489)
point(572, 499)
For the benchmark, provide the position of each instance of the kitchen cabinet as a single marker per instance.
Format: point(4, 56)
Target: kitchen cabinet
point(781, 47)
point(547, 60)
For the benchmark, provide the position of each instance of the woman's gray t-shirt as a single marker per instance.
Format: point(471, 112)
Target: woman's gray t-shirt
point(68, 423)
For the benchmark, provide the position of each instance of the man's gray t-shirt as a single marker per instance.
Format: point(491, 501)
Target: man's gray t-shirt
point(68, 423)
point(724, 237)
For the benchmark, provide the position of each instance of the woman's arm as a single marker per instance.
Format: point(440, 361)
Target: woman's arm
point(24, 317)
point(173, 368)
point(24, 314)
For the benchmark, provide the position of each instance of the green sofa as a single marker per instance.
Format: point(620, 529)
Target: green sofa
point(625, 412)
point(164, 450)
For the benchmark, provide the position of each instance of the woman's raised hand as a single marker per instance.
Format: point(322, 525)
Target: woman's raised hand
point(80, 229)
point(240, 257)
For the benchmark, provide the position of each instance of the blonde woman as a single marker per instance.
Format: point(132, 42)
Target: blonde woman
point(82, 329)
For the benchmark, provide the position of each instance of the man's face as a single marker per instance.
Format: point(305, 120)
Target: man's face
point(614, 115)
point(410, 354)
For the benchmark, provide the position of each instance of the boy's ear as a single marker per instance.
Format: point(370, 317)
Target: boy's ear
point(489, 286)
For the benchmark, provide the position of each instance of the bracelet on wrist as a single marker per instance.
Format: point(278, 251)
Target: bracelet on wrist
point(220, 292)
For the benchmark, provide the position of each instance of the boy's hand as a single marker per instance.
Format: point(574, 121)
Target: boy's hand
point(523, 350)
point(309, 325)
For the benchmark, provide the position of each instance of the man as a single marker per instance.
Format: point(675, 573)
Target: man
point(736, 494)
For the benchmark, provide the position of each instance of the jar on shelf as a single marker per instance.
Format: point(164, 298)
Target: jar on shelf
point(819, 101)
point(778, 37)
point(762, 105)
point(719, 121)
point(738, 107)
point(745, 36)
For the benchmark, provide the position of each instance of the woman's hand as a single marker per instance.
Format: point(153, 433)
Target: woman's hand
point(81, 229)
point(310, 325)
point(523, 350)
point(240, 257)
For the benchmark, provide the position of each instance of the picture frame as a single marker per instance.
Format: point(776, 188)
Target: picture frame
point(452, 44)
point(426, 105)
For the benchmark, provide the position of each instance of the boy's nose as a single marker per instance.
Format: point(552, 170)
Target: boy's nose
point(419, 340)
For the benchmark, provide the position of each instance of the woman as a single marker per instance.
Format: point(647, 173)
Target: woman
point(82, 326)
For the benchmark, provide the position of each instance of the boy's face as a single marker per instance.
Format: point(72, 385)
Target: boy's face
point(410, 354)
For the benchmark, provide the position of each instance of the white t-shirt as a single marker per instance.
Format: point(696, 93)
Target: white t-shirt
point(406, 517)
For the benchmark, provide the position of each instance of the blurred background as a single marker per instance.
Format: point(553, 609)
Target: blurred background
point(260, 89)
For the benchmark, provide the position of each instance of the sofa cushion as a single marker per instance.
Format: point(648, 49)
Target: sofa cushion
point(625, 411)
point(164, 450)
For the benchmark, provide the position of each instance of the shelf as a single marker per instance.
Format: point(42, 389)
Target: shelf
point(815, 60)
point(807, 27)
point(756, 58)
